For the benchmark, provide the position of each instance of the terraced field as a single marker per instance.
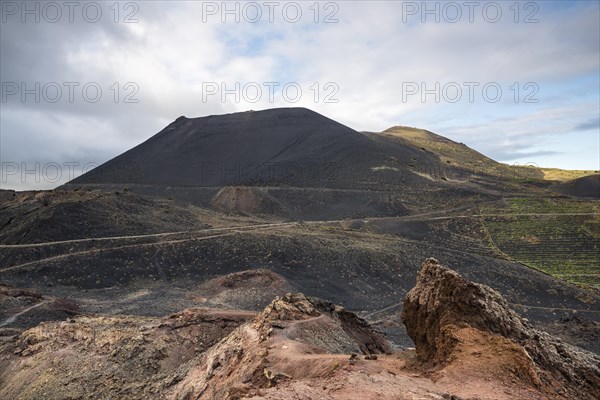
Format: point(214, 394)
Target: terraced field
point(556, 235)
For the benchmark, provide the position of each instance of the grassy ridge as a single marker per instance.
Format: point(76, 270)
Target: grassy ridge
point(555, 174)
point(458, 154)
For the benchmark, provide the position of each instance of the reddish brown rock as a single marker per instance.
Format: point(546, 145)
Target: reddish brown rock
point(443, 306)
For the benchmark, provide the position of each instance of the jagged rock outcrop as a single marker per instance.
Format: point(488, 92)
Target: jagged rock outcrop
point(359, 335)
point(443, 302)
point(248, 359)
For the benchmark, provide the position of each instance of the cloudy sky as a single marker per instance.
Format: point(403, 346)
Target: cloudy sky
point(84, 81)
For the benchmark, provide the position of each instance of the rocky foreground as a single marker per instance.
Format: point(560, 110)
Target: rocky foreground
point(469, 345)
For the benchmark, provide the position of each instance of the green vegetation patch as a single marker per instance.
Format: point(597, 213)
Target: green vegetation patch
point(558, 236)
point(553, 205)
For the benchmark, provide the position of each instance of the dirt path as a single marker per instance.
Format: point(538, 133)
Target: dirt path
point(151, 235)
point(382, 310)
point(553, 308)
point(366, 317)
point(431, 215)
point(237, 229)
point(95, 251)
point(292, 326)
point(13, 318)
point(509, 215)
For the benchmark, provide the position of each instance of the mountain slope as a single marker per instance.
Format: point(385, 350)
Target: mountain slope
point(229, 149)
point(286, 146)
point(586, 187)
point(451, 153)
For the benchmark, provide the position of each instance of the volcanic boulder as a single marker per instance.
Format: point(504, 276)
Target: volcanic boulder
point(442, 303)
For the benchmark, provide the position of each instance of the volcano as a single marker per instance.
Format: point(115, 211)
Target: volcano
point(276, 147)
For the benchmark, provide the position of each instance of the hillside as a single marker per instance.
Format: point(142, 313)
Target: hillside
point(451, 153)
point(585, 187)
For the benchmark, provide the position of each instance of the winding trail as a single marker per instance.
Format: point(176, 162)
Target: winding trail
point(14, 317)
point(163, 239)
point(150, 235)
point(382, 310)
point(292, 326)
point(431, 216)
point(151, 244)
point(229, 231)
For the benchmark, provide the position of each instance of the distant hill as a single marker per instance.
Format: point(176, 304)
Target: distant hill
point(448, 150)
point(460, 155)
